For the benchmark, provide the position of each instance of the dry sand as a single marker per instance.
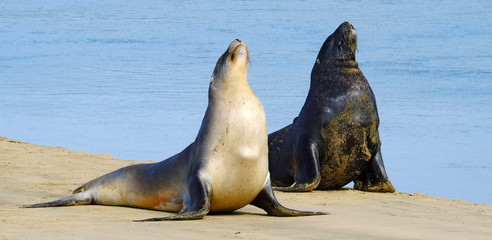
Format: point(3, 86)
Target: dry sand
point(32, 173)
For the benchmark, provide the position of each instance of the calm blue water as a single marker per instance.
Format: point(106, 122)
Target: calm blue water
point(130, 78)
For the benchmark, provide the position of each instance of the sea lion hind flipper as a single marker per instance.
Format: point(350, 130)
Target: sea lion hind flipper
point(197, 202)
point(374, 178)
point(266, 200)
point(72, 200)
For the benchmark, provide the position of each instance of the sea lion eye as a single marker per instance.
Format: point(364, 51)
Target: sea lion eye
point(340, 42)
point(232, 56)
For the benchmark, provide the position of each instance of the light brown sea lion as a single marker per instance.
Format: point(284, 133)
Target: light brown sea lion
point(225, 168)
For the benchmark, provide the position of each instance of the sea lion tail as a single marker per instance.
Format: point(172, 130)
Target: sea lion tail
point(81, 198)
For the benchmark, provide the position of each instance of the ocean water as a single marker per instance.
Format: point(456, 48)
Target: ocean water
point(130, 78)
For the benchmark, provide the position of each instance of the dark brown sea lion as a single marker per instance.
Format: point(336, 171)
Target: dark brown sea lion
point(335, 138)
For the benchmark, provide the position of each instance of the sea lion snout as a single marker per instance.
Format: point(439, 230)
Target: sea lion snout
point(345, 26)
point(238, 50)
point(349, 35)
point(235, 44)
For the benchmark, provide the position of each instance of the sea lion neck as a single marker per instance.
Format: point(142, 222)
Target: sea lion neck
point(334, 67)
point(342, 63)
point(223, 88)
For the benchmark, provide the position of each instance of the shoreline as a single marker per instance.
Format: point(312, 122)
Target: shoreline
point(33, 173)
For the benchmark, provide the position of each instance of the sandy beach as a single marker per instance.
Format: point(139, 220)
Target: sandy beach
point(33, 173)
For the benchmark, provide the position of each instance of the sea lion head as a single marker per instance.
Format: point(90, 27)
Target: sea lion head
point(232, 66)
point(340, 45)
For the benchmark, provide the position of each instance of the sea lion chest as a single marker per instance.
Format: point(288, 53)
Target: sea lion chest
point(238, 163)
point(348, 118)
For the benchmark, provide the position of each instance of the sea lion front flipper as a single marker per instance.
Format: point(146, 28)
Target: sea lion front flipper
point(374, 178)
point(266, 200)
point(197, 201)
point(307, 172)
